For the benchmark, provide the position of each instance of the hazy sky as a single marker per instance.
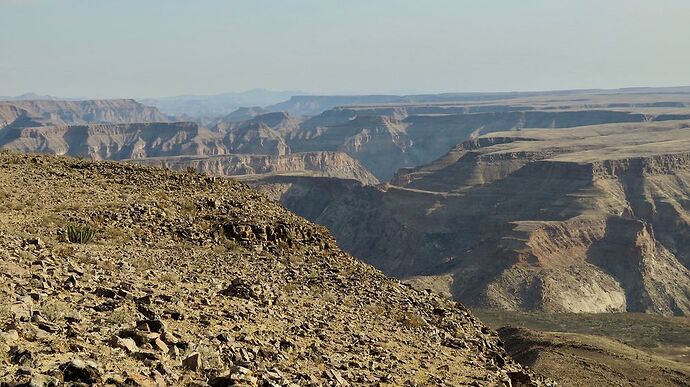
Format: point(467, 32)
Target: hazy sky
point(109, 48)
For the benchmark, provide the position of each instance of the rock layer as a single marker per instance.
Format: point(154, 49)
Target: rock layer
point(244, 166)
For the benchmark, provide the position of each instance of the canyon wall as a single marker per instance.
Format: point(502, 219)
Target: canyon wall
point(593, 219)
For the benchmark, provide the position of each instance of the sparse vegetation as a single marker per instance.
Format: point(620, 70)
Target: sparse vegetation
point(55, 310)
point(80, 233)
point(170, 277)
point(411, 320)
point(122, 316)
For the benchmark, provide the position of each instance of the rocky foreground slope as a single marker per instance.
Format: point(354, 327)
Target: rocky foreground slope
point(195, 280)
point(590, 219)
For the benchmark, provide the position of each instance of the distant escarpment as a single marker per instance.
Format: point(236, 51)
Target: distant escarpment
point(113, 141)
point(590, 219)
point(31, 113)
point(254, 146)
point(397, 133)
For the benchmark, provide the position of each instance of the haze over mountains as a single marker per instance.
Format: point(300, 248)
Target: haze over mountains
point(218, 104)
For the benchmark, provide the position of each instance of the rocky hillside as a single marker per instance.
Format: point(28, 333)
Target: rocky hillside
point(195, 280)
point(328, 164)
point(590, 219)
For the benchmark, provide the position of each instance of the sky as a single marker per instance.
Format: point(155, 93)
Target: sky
point(153, 48)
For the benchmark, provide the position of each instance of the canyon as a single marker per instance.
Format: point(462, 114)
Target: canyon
point(549, 203)
point(560, 201)
point(590, 219)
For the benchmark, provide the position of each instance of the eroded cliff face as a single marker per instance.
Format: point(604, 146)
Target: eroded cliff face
point(385, 139)
point(244, 166)
point(255, 146)
point(114, 141)
point(591, 219)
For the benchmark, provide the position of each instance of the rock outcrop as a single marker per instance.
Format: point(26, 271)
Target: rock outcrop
point(590, 219)
point(195, 280)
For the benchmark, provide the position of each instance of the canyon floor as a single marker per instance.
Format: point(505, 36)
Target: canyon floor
point(598, 349)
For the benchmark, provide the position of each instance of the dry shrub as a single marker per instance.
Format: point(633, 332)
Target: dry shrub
point(411, 320)
point(55, 310)
point(122, 316)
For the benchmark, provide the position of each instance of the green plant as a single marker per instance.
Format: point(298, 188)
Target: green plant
point(80, 233)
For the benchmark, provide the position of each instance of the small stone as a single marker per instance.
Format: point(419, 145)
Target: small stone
point(159, 345)
point(21, 311)
point(193, 362)
point(105, 292)
point(127, 344)
point(39, 380)
point(139, 380)
point(21, 357)
point(10, 337)
point(80, 371)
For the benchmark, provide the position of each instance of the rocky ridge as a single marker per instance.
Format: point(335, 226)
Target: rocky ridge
point(196, 280)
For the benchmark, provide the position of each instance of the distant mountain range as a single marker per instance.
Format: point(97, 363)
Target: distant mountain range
point(195, 106)
point(208, 108)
